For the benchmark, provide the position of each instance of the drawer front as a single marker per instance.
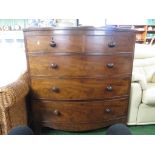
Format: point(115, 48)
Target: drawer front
point(79, 65)
point(114, 43)
point(64, 43)
point(79, 89)
point(79, 112)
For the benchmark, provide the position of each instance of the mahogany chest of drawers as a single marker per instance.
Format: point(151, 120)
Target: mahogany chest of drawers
point(79, 77)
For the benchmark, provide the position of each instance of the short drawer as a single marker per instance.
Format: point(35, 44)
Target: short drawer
point(79, 112)
point(79, 89)
point(107, 43)
point(57, 43)
point(79, 65)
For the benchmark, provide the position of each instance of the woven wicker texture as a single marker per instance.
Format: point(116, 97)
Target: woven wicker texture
point(12, 104)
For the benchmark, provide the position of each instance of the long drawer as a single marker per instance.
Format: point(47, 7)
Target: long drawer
point(79, 65)
point(78, 112)
point(81, 43)
point(79, 89)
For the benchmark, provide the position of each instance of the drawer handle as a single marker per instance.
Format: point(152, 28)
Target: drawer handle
point(53, 43)
point(109, 88)
point(107, 110)
point(110, 65)
point(56, 112)
point(112, 44)
point(54, 66)
point(55, 89)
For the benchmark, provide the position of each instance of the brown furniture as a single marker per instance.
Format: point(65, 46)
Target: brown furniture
point(80, 77)
point(145, 34)
point(12, 104)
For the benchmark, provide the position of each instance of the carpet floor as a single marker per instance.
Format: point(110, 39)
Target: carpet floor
point(135, 130)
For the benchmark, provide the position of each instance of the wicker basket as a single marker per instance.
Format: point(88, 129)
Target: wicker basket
point(12, 104)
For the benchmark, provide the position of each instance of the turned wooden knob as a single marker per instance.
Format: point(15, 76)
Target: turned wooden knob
point(110, 65)
point(54, 66)
point(112, 44)
point(109, 88)
point(56, 112)
point(107, 110)
point(53, 43)
point(55, 89)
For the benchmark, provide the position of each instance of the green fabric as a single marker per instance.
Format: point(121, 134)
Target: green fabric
point(135, 130)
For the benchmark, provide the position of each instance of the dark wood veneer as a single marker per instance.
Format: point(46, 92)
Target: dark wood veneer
point(79, 89)
point(62, 43)
point(79, 77)
point(79, 112)
point(79, 65)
